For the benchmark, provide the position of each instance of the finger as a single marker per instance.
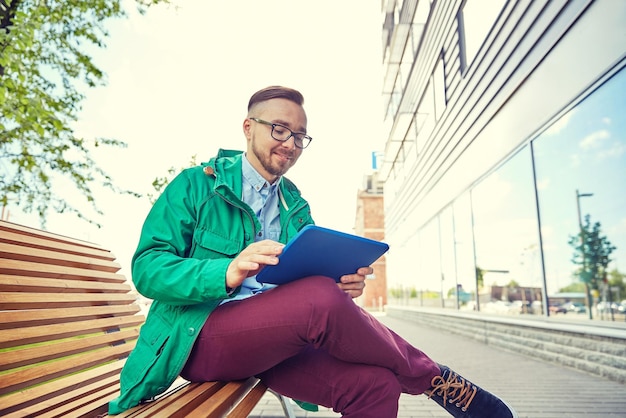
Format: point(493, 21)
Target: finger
point(352, 278)
point(266, 247)
point(364, 271)
point(352, 286)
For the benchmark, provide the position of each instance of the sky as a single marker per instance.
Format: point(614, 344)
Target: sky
point(178, 82)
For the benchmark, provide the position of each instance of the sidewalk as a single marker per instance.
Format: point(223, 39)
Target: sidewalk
point(534, 388)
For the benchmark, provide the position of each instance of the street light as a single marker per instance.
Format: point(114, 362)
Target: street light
point(582, 243)
point(578, 196)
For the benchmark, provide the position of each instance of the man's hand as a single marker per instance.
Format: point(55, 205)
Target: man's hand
point(353, 284)
point(251, 259)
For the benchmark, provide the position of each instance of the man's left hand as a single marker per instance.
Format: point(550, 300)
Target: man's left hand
point(353, 284)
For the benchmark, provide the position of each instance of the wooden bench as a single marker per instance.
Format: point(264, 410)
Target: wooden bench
point(68, 320)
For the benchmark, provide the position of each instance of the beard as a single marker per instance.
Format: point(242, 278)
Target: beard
point(275, 167)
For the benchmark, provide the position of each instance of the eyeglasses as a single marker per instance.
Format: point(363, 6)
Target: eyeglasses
point(282, 133)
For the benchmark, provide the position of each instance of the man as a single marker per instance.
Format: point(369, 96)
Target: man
point(209, 234)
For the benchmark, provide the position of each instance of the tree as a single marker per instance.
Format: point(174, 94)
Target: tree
point(592, 253)
point(578, 287)
point(159, 183)
point(44, 68)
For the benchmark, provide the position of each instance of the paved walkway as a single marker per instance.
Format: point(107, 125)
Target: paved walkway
point(536, 389)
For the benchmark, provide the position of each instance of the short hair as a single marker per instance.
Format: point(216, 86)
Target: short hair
point(276, 92)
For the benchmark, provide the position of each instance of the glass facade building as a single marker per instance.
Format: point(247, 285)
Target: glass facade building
point(505, 162)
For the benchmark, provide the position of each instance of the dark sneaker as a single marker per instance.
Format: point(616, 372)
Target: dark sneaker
point(463, 399)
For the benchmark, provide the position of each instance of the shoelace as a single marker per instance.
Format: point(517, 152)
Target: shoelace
point(455, 389)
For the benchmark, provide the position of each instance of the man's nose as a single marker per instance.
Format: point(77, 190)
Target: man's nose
point(289, 142)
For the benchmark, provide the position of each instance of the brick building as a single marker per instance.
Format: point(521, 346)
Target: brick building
point(370, 223)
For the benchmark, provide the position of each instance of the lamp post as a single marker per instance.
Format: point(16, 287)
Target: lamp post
point(578, 196)
point(582, 244)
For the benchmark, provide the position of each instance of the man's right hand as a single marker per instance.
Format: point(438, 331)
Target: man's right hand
point(250, 261)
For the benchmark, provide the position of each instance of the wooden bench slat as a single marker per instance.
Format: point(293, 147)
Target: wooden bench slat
point(37, 354)
point(104, 389)
point(89, 405)
point(37, 394)
point(12, 283)
point(181, 401)
point(18, 300)
point(31, 269)
point(41, 255)
point(22, 378)
point(37, 317)
point(246, 405)
point(220, 403)
point(190, 402)
point(30, 335)
point(49, 239)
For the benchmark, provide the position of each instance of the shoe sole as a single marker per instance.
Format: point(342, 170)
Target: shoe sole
point(511, 409)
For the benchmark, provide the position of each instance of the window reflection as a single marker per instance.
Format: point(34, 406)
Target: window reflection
point(586, 151)
point(506, 236)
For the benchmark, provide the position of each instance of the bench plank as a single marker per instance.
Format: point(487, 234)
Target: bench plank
point(30, 335)
point(35, 238)
point(54, 256)
point(243, 408)
point(19, 300)
point(55, 392)
point(182, 399)
point(34, 269)
point(35, 317)
point(26, 377)
point(17, 358)
point(12, 283)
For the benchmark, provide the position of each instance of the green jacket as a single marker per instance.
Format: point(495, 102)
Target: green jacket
point(189, 237)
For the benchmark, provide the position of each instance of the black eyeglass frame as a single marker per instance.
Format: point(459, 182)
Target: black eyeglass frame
point(298, 137)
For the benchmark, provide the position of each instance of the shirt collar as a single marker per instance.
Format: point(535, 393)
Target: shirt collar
point(253, 177)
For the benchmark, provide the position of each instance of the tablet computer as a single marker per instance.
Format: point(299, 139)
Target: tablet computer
point(321, 251)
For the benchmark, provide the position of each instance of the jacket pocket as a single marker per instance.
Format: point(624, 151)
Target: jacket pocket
point(209, 244)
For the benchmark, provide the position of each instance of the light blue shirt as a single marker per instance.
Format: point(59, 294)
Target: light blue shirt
point(263, 198)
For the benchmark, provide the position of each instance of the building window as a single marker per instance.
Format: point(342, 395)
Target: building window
point(506, 235)
point(581, 163)
point(464, 252)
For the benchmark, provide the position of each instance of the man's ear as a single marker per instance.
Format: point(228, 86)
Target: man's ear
point(247, 126)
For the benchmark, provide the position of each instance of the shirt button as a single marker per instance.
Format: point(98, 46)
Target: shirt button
point(191, 330)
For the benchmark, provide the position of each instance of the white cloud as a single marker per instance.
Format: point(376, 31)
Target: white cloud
point(594, 139)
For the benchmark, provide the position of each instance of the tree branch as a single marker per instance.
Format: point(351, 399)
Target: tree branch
point(7, 14)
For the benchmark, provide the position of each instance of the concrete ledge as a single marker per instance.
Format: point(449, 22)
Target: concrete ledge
point(597, 348)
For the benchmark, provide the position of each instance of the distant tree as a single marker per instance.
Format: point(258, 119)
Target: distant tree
point(592, 253)
point(513, 284)
point(578, 287)
point(159, 183)
point(44, 68)
point(480, 277)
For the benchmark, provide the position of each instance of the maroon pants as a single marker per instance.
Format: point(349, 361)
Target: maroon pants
point(309, 341)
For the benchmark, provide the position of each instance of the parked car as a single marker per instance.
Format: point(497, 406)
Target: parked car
point(575, 307)
point(608, 307)
point(555, 309)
